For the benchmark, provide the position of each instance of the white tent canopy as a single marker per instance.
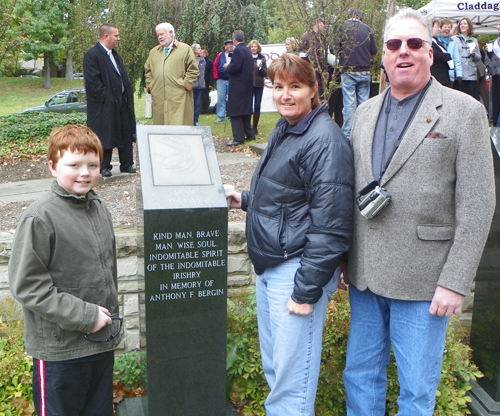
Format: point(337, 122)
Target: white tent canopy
point(484, 14)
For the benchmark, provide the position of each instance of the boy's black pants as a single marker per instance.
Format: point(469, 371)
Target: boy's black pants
point(80, 387)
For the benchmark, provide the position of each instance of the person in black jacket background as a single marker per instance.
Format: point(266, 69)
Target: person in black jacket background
point(299, 218)
point(259, 75)
point(209, 83)
point(110, 100)
point(240, 93)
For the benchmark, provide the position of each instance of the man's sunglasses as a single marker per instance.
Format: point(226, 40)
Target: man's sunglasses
point(413, 43)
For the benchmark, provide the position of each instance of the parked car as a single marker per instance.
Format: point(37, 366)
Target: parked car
point(66, 101)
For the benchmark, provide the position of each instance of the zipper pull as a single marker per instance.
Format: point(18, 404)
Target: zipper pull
point(286, 255)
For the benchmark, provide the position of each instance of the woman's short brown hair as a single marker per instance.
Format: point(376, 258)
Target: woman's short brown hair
point(256, 42)
point(290, 67)
point(76, 138)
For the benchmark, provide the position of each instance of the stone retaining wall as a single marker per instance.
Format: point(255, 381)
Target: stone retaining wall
point(131, 279)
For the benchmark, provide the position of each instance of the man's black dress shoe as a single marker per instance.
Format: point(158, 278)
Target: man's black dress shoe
point(106, 173)
point(234, 144)
point(131, 169)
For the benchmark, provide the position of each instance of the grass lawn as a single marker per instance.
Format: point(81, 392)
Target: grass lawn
point(17, 94)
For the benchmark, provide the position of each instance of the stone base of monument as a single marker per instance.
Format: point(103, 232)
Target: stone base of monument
point(138, 406)
point(482, 404)
point(135, 406)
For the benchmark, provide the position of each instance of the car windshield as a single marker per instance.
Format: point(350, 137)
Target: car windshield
point(57, 99)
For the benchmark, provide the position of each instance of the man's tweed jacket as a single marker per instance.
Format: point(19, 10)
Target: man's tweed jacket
point(442, 184)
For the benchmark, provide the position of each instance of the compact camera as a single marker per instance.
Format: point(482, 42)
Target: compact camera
point(374, 202)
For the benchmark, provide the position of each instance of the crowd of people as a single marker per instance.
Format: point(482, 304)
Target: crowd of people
point(178, 81)
point(382, 204)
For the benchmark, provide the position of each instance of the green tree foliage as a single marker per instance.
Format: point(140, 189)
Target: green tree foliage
point(10, 34)
point(333, 14)
point(45, 27)
point(136, 21)
point(133, 20)
point(87, 16)
point(211, 22)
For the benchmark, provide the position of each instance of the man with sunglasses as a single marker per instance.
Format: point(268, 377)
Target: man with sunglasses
point(411, 265)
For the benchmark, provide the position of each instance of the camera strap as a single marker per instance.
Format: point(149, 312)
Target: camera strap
point(368, 188)
point(403, 131)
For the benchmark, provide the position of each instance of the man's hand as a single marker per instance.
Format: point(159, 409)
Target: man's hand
point(301, 309)
point(446, 302)
point(103, 319)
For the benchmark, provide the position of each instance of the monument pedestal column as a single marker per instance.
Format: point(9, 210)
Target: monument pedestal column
point(485, 329)
point(185, 260)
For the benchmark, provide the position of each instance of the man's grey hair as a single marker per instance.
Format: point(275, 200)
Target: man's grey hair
point(411, 14)
point(239, 36)
point(167, 26)
point(195, 45)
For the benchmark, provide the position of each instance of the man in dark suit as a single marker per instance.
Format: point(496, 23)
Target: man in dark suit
point(110, 100)
point(209, 83)
point(412, 264)
point(240, 95)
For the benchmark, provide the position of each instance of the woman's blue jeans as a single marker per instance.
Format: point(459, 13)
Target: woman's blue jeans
point(417, 340)
point(290, 344)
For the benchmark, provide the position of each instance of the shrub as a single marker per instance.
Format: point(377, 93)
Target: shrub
point(16, 396)
point(246, 386)
point(25, 135)
point(249, 389)
point(130, 370)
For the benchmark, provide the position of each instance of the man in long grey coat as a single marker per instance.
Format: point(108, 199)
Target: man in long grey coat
point(110, 100)
point(240, 94)
point(412, 264)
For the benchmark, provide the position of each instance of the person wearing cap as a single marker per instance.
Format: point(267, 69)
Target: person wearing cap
point(356, 47)
point(222, 79)
point(171, 72)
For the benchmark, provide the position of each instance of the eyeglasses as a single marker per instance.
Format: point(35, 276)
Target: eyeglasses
point(113, 318)
point(413, 43)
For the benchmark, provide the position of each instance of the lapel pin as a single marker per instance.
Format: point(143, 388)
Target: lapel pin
point(428, 120)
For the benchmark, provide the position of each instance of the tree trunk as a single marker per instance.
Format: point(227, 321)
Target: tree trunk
point(46, 71)
point(69, 66)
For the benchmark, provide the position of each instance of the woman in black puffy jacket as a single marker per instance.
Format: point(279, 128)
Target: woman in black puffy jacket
point(299, 216)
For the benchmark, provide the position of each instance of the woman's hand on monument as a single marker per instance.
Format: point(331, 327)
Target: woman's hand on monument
point(234, 199)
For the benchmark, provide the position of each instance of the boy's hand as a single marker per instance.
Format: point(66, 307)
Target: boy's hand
point(103, 319)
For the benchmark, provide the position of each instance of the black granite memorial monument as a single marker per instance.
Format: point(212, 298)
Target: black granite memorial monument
point(185, 261)
point(485, 330)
